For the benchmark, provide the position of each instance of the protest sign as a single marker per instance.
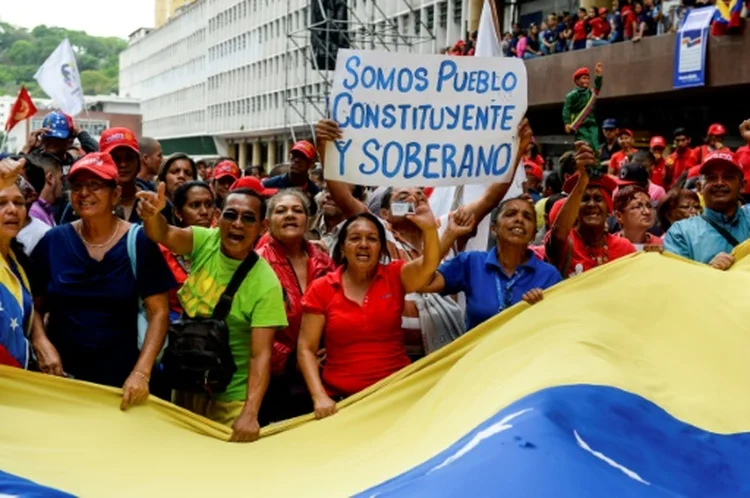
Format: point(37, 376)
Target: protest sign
point(424, 120)
point(690, 49)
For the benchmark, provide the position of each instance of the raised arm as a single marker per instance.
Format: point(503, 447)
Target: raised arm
point(495, 192)
point(149, 207)
point(415, 274)
point(558, 243)
point(326, 131)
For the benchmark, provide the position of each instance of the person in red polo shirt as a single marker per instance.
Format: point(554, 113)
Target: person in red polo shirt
point(660, 173)
point(620, 157)
point(682, 159)
point(578, 240)
point(714, 142)
point(359, 309)
point(580, 30)
point(600, 28)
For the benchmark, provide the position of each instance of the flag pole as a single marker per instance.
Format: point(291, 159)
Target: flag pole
point(495, 19)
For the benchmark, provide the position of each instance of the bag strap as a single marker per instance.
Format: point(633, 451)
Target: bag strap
point(723, 231)
point(222, 308)
point(132, 254)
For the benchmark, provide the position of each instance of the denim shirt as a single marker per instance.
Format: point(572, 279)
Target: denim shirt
point(694, 238)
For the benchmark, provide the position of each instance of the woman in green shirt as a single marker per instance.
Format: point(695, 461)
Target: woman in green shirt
point(257, 308)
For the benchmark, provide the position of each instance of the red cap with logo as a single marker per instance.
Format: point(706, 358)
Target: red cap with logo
point(658, 142)
point(100, 164)
point(255, 184)
point(720, 157)
point(226, 168)
point(118, 137)
point(717, 130)
point(306, 148)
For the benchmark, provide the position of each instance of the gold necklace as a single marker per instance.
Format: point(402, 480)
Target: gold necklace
point(97, 246)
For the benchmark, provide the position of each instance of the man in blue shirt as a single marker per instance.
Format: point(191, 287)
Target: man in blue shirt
point(301, 161)
point(711, 237)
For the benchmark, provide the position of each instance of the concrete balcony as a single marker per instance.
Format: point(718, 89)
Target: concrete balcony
point(637, 89)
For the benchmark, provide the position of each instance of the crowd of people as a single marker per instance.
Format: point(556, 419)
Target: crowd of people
point(250, 299)
point(626, 20)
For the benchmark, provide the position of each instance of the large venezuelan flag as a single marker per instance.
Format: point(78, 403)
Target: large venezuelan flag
point(631, 380)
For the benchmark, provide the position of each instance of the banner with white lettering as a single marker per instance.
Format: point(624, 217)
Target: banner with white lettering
point(424, 120)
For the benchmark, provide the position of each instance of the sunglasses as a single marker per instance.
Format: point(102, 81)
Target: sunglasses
point(232, 216)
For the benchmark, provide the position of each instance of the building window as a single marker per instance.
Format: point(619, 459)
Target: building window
point(457, 12)
point(443, 6)
point(430, 16)
point(417, 21)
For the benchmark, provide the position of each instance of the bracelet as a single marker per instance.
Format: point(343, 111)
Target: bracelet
point(142, 375)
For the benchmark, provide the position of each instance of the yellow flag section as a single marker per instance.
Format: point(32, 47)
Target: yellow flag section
point(660, 336)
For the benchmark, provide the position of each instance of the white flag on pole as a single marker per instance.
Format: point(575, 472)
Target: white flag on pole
point(444, 199)
point(59, 79)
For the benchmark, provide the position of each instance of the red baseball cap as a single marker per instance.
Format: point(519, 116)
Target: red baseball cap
point(306, 148)
point(624, 131)
point(717, 130)
point(100, 164)
point(226, 168)
point(534, 170)
point(720, 157)
point(657, 142)
point(255, 184)
point(118, 137)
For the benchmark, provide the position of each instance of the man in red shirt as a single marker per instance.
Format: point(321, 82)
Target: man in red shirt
point(714, 142)
point(619, 158)
point(600, 26)
point(682, 159)
point(660, 173)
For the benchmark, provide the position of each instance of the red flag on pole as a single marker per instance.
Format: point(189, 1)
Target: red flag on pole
point(23, 108)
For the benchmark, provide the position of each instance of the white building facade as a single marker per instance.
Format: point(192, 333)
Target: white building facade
point(218, 78)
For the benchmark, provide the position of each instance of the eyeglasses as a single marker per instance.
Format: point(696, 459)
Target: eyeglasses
point(640, 207)
point(690, 207)
point(232, 216)
point(90, 186)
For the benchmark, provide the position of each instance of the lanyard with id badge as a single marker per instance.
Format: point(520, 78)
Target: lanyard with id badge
point(505, 291)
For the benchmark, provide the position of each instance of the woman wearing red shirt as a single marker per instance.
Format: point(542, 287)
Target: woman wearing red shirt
point(580, 30)
point(358, 310)
point(297, 263)
point(578, 240)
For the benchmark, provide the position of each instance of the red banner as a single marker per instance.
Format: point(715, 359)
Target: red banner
point(23, 108)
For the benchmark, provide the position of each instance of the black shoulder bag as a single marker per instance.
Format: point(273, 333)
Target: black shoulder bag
point(198, 357)
point(722, 231)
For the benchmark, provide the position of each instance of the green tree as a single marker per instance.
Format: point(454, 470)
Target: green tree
point(23, 51)
point(94, 82)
